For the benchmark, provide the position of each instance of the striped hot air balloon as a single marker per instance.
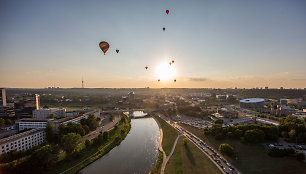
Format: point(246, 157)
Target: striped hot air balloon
point(104, 46)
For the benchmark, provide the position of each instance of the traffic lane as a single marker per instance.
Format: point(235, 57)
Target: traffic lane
point(103, 127)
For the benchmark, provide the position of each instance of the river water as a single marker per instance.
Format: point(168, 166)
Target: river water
point(137, 153)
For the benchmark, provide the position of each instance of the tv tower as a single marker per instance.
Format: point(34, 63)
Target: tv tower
point(82, 83)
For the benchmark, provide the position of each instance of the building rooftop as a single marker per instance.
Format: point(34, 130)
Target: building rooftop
point(252, 100)
point(20, 135)
point(33, 120)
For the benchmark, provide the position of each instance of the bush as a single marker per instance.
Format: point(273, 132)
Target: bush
point(226, 149)
point(185, 141)
point(254, 135)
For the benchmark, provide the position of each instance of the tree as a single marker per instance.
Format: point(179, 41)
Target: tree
point(8, 121)
point(86, 129)
point(105, 136)
point(52, 116)
point(87, 143)
point(219, 121)
point(70, 142)
point(300, 156)
point(226, 149)
point(254, 135)
point(2, 122)
point(185, 141)
point(292, 134)
point(49, 132)
point(238, 133)
point(111, 118)
point(43, 159)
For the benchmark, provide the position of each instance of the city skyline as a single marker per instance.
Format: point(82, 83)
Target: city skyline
point(242, 44)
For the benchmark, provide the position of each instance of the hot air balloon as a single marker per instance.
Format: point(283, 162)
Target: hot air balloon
point(167, 11)
point(104, 46)
point(146, 67)
point(158, 80)
point(169, 63)
point(117, 50)
point(172, 61)
point(164, 28)
point(174, 80)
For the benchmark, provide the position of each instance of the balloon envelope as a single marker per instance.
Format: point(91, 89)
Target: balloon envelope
point(146, 67)
point(172, 61)
point(117, 50)
point(167, 11)
point(104, 46)
point(164, 28)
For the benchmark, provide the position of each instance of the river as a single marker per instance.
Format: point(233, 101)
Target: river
point(137, 153)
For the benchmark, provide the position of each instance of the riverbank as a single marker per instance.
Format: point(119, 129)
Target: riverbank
point(169, 133)
point(93, 152)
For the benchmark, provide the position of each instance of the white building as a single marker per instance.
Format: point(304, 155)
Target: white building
point(23, 141)
point(45, 113)
point(31, 123)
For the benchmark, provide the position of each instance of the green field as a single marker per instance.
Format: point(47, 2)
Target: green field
point(252, 158)
point(189, 159)
point(169, 135)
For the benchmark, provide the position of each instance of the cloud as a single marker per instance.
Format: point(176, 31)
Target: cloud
point(197, 79)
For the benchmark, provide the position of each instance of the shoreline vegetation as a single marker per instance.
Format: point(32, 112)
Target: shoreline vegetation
point(94, 153)
point(87, 153)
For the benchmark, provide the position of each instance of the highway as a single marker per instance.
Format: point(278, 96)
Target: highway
point(212, 154)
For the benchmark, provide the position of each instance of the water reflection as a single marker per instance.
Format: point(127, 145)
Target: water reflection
point(136, 154)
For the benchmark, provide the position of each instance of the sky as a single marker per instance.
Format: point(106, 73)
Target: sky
point(215, 43)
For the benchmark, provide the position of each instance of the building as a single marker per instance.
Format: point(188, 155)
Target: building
point(45, 113)
point(22, 141)
point(252, 103)
point(65, 121)
point(221, 97)
point(25, 104)
point(283, 101)
point(284, 110)
point(31, 123)
point(3, 97)
point(35, 123)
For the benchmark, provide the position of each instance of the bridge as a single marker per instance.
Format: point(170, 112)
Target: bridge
point(120, 110)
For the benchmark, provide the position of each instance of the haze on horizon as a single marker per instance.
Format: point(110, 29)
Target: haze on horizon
point(215, 44)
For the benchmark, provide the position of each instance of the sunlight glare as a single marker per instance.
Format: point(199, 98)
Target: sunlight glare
point(165, 72)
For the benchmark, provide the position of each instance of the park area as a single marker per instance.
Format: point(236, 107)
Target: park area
point(252, 158)
point(189, 159)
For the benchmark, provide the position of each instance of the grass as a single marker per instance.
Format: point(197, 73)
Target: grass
point(99, 151)
point(253, 158)
point(189, 159)
point(158, 163)
point(169, 135)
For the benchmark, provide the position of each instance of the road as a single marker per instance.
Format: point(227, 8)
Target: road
point(212, 154)
point(105, 125)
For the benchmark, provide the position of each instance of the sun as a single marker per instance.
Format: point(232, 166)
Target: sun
point(165, 72)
